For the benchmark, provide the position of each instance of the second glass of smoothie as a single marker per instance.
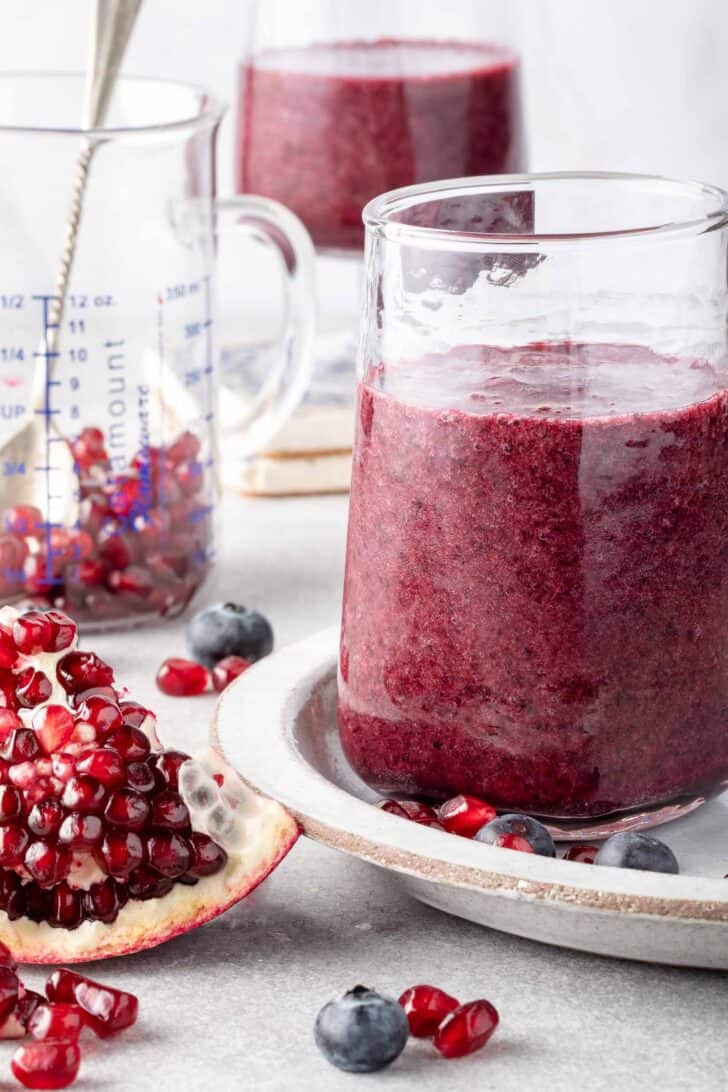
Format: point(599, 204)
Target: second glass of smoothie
point(536, 594)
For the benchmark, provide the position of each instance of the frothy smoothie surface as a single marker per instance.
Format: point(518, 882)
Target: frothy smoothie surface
point(536, 596)
point(326, 128)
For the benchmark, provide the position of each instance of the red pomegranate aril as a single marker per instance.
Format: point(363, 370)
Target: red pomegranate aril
point(581, 853)
point(117, 550)
point(89, 447)
point(20, 746)
point(38, 902)
point(128, 809)
point(514, 841)
point(182, 678)
point(9, 721)
point(24, 519)
point(135, 580)
point(63, 630)
point(207, 856)
point(32, 688)
point(121, 852)
point(103, 713)
point(101, 902)
point(32, 632)
point(78, 830)
point(66, 911)
point(53, 726)
point(107, 1010)
point(16, 1024)
point(45, 818)
point(8, 651)
point(426, 1007)
point(84, 794)
point(13, 844)
point(139, 777)
point(169, 854)
point(133, 714)
point(465, 815)
point(6, 958)
point(82, 670)
point(48, 1064)
point(90, 572)
point(11, 896)
point(8, 687)
point(58, 1020)
point(77, 701)
point(130, 743)
point(170, 811)
point(8, 991)
point(11, 804)
point(146, 884)
point(63, 765)
point(46, 863)
point(466, 1029)
point(227, 670)
point(184, 448)
point(410, 809)
point(167, 766)
point(104, 764)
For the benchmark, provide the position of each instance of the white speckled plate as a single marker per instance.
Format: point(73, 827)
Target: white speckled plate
point(277, 726)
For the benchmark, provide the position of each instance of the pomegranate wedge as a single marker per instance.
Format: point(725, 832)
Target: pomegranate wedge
point(108, 842)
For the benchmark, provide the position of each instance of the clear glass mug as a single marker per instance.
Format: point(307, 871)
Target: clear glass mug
point(108, 420)
point(341, 100)
point(536, 592)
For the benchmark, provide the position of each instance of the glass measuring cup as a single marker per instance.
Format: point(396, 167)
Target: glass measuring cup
point(536, 593)
point(108, 442)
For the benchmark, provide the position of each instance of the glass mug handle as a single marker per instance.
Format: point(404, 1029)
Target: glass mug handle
point(274, 225)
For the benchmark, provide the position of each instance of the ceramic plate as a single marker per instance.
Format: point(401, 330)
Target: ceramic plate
point(277, 726)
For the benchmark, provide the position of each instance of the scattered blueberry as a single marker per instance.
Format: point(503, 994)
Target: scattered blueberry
point(228, 630)
point(631, 850)
point(362, 1031)
point(523, 826)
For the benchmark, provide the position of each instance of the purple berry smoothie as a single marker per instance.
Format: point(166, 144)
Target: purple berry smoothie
point(324, 129)
point(536, 594)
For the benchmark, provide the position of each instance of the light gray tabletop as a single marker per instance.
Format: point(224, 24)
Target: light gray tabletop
point(231, 1006)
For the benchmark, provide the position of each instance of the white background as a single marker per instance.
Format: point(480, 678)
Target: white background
point(622, 84)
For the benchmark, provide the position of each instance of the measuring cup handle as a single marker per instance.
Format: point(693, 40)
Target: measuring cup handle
point(285, 383)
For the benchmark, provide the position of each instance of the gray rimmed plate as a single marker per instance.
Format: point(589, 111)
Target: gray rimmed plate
point(277, 726)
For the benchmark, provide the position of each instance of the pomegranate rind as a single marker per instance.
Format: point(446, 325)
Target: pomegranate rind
point(270, 833)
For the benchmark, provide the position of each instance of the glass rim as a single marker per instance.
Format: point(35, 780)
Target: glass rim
point(212, 108)
point(379, 212)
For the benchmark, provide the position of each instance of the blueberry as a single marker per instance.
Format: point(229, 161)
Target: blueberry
point(630, 850)
point(228, 630)
point(362, 1031)
point(496, 833)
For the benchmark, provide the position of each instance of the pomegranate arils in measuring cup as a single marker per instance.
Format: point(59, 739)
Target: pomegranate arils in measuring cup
point(465, 815)
point(24, 519)
point(107, 1010)
point(48, 1063)
point(182, 678)
point(227, 670)
point(426, 1007)
point(466, 1029)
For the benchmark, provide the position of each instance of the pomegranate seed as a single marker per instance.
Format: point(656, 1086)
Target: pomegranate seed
point(121, 852)
point(189, 477)
point(139, 777)
point(169, 854)
point(81, 670)
point(53, 726)
point(84, 794)
point(6, 958)
point(104, 764)
point(25, 520)
point(466, 1029)
point(135, 580)
point(11, 803)
point(227, 670)
point(167, 766)
point(80, 546)
point(89, 448)
point(426, 1008)
point(127, 808)
point(101, 902)
point(8, 696)
point(145, 884)
point(9, 720)
point(133, 714)
point(20, 745)
point(465, 815)
point(33, 687)
point(63, 630)
point(11, 896)
point(78, 830)
point(45, 818)
point(50, 1063)
point(32, 632)
point(8, 991)
point(13, 844)
point(80, 699)
point(182, 678)
point(184, 448)
point(38, 902)
point(63, 765)
point(125, 496)
point(8, 651)
point(103, 713)
point(56, 1021)
point(581, 853)
point(66, 911)
point(170, 812)
point(16, 1024)
point(23, 775)
point(47, 864)
point(130, 743)
point(207, 856)
point(107, 1010)
point(514, 841)
point(117, 550)
point(410, 809)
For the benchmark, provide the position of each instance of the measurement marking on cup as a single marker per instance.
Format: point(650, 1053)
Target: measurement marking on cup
point(47, 412)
